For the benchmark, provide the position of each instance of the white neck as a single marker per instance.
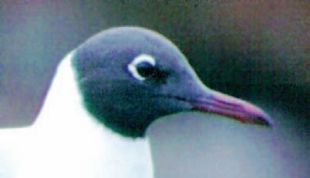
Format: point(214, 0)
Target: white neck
point(84, 147)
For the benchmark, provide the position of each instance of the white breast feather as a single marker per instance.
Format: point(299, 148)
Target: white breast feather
point(66, 142)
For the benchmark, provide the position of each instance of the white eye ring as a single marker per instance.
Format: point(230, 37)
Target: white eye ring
point(132, 67)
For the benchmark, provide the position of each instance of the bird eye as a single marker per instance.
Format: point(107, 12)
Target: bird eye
point(142, 67)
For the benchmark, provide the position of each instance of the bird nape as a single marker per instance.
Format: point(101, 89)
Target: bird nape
point(104, 96)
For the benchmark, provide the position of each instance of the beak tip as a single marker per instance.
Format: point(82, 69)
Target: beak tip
point(255, 115)
point(264, 120)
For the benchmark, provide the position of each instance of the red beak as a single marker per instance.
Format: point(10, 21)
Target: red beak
point(237, 109)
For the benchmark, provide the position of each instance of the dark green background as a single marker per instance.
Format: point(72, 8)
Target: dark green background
point(256, 50)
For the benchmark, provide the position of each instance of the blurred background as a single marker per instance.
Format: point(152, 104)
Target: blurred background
point(255, 50)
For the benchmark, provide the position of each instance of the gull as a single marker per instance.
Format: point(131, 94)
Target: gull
point(104, 96)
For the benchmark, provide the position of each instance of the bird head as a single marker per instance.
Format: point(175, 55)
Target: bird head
point(130, 76)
